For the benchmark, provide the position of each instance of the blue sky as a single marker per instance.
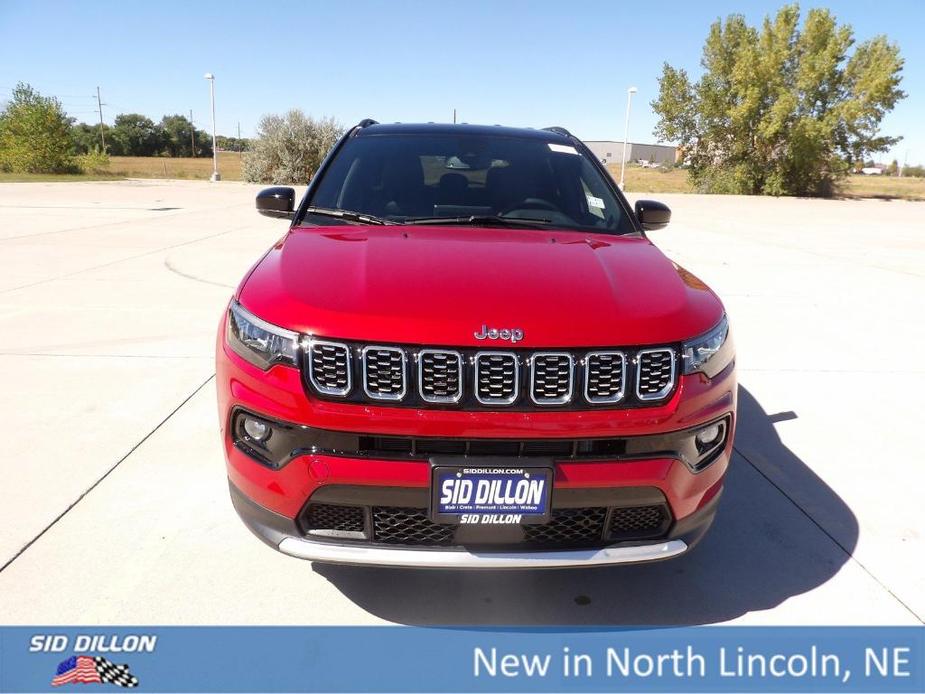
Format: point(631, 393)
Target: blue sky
point(515, 63)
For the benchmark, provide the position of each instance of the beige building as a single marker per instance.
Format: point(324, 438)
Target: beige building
point(610, 152)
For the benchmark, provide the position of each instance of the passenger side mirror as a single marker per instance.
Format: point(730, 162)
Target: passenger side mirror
point(652, 214)
point(278, 201)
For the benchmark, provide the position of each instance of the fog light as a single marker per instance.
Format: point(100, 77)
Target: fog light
point(710, 435)
point(255, 429)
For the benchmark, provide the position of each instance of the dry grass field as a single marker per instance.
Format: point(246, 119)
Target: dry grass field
point(229, 166)
point(640, 180)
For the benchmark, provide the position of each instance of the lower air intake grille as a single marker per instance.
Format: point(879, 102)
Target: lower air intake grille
point(655, 374)
point(408, 526)
point(638, 521)
point(569, 526)
point(329, 367)
point(384, 373)
point(333, 517)
point(496, 378)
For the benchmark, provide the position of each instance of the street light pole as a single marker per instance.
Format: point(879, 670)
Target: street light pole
point(626, 131)
point(215, 175)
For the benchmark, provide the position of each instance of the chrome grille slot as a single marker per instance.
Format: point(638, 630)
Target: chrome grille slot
point(605, 376)
point(655, 372)
point(497, 378)
point(551, 378)
point(384, 376)
point(440, 375)
point(329, 367)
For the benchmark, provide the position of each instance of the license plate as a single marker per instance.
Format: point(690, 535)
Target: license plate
point(478, 493)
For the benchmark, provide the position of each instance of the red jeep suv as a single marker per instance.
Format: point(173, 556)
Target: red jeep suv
point(465, 352)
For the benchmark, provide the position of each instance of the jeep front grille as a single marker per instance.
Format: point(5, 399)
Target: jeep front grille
point(471, 379)
point(552, 378)
point(497, 378)
point(329, 368)
point(384, 373)
point(655, 373)
point(440, 375)
point(605, 376)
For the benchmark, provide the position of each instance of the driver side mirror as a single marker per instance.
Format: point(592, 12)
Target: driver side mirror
point(652, 214)
point(278, 201)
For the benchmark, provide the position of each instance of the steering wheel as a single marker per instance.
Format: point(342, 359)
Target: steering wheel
point(530, 204)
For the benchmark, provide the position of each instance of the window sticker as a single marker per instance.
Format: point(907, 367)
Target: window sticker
point(595, 202)
point(565, 149)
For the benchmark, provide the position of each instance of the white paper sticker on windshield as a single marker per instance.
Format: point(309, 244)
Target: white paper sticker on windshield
point(565, 149)
point(595, 202)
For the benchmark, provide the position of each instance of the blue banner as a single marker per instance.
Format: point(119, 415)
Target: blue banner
point(412, 659)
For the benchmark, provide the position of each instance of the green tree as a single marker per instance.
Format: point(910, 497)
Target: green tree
point(87, 137)
point(134, 135)
point(35, 134)
point(176, 138)
point(289, 149)
point(780, 110)
point(231, 144)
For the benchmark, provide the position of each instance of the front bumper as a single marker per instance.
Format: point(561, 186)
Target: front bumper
point(271, 500)
point(282, 533)
point(466, 559)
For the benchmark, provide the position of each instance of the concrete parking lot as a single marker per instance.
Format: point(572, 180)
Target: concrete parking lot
point(113, 502)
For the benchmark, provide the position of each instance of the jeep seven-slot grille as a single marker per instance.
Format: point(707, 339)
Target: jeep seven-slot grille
point(440, 375)
point(384, 373)
point(329, 367)
point(496, 378)
point(551, 378)
point(479, 379)
point(655, 374)
point(605, 374)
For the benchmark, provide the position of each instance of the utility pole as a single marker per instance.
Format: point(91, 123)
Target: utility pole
point(99, 105)
point(239, 130)
point(192, 135)
point(454, 116)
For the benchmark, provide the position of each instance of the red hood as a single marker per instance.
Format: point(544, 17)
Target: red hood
point(439, 285)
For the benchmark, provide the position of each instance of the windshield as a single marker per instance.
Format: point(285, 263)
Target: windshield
point(465, 178)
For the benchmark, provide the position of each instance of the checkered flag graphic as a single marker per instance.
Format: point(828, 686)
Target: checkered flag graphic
point(119, 675)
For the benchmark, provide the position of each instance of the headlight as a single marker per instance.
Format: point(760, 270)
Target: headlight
point(710, 353)
point(259, 342)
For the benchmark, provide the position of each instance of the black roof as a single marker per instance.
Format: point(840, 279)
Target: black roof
point(462, 129)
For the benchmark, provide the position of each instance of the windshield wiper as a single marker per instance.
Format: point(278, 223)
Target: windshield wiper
point(348, 215)
point(478, 219)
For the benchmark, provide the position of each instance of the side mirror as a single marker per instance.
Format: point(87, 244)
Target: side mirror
point(652, 214)
point(276, 202)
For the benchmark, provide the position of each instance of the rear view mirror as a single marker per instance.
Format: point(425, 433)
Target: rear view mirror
point(652, 214)
point(278, 201)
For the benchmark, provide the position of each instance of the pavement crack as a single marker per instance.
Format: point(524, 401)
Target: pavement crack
point(188, 276)
point(106, 474)
point(829, 535)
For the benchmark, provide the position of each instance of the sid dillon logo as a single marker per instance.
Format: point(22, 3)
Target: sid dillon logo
point(93, 669)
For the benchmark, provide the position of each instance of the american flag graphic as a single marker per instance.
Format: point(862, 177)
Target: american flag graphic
point(85, 669)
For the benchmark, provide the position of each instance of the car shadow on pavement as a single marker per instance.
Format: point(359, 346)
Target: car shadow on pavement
point(762, 549)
